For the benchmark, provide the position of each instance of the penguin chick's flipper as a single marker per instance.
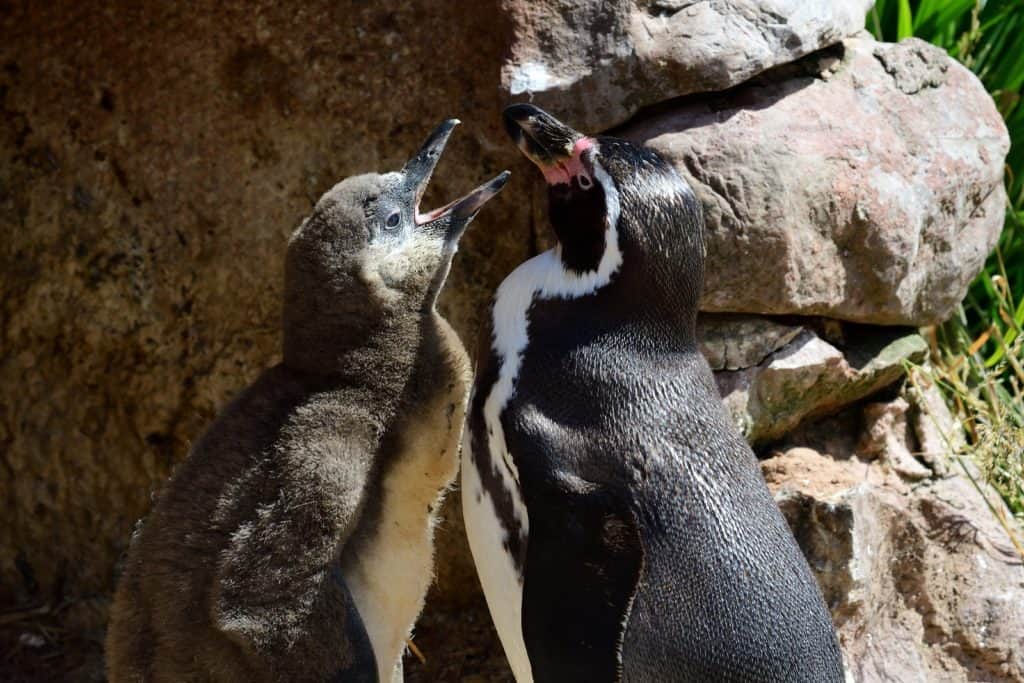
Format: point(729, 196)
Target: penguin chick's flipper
point(279, 593)
point(575, 610)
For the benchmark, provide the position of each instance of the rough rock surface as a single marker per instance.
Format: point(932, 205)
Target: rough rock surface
point(809, 377)
point(886, 437)
point(923, 582)
point(735, 342)
point(934, 427)
point(597, 63)
point(864, 183)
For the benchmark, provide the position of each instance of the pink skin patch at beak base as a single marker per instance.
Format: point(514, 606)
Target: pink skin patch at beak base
point(422, 218)
point(562, 172)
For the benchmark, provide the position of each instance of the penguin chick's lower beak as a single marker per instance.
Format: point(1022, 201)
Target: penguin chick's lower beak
point(554, 147)
point(421, 167)
point(466, 207)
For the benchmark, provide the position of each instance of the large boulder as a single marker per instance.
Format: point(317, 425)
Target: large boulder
point(598, 63)
point(863, 183)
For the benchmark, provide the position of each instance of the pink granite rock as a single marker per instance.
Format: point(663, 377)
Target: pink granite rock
point(863, 183)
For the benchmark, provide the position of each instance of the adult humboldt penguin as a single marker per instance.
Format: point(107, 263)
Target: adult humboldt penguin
point(619, 524)
point(295, 542)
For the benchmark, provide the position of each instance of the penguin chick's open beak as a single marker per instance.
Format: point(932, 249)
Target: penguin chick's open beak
point(550, 144)
point(421, 167)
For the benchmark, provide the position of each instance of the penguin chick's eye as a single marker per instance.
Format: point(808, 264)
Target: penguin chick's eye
point(585, 182)
point(393, 220)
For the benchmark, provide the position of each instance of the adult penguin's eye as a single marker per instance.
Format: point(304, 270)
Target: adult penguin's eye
point(393, 220)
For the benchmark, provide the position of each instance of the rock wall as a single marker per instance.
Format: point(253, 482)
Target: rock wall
point(155, 159)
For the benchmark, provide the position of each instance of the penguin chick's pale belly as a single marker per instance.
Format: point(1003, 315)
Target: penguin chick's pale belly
point(389, 576)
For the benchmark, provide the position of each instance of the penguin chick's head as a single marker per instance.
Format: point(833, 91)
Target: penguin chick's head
point(368, 256)
point(609, 198)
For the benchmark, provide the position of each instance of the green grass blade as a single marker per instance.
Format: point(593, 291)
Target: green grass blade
point(905, 21)
point(1008, 70)
point(953, 12)
point(939, 21)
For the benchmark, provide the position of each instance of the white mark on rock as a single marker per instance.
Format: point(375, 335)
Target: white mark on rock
point(529, 77)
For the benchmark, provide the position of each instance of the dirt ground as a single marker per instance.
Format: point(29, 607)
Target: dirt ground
point(36, 646)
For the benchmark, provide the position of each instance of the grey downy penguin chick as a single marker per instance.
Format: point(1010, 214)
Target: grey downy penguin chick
point(295, 541)
point(619, 524)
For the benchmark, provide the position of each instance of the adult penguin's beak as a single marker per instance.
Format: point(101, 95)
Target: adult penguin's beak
point(550, 144)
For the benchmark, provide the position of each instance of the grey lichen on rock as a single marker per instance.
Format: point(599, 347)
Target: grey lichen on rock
point(809, 377)
point(913, 64)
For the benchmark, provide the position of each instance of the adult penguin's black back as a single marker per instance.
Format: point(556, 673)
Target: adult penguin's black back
point(620, 525)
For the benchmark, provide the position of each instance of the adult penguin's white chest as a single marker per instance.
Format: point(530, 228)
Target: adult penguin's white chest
point(496, 517)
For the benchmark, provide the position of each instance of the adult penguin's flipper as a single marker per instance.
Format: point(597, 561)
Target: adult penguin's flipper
point(583, 563)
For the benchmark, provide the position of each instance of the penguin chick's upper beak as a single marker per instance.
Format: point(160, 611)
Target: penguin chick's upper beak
point(421, 167)
point(550, 144)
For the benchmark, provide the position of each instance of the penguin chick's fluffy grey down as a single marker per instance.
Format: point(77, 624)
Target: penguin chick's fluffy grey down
point(295, 541)
point(619, 524)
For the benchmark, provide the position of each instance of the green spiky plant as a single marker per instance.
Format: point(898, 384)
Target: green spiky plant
point(978, 355)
